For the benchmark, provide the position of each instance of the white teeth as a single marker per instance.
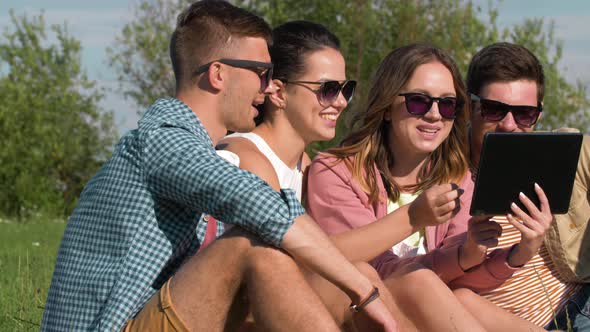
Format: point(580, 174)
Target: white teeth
point(430, 131)
point(331, 117)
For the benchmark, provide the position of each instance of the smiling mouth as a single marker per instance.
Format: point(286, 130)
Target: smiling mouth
point(428, 130)
point(331, 117)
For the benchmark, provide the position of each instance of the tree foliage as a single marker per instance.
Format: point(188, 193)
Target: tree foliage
point(53, 135)
point(140, 54)
point(368, 30)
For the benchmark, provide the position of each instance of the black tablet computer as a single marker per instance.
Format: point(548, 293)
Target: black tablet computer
point(512, 162)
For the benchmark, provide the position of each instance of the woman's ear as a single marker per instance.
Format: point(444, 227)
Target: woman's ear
point(278, 98)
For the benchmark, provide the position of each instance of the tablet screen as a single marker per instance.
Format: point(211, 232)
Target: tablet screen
point(512, 162)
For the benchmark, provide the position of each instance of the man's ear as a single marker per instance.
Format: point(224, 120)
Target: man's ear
point(217, 76)
point(278, 97)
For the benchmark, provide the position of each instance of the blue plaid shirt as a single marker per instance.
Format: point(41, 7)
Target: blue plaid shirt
point(138, 219)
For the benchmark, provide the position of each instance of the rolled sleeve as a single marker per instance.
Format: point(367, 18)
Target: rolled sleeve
point(273, 232)
point(488, 275)
point(497, 265)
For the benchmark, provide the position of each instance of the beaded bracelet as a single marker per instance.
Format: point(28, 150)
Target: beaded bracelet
point(372, 297)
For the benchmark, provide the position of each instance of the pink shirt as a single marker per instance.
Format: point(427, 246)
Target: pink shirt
point(338, 204)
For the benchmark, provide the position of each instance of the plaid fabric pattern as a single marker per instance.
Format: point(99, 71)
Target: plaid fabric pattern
point(138, 219)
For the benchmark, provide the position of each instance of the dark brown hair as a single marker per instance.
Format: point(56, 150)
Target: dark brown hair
point(206, 30)
point(293, 42)
point(369, 145)
point(504, 62)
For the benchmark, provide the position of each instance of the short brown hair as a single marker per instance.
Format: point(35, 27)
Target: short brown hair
point(504, 62)
point(205, 30)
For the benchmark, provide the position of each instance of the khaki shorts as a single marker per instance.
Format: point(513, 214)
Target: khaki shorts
point(157, 315)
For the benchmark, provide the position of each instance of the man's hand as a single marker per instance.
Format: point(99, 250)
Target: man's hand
point(482, 233)
point(374, 317)
point(532, 227)
point(435, 205)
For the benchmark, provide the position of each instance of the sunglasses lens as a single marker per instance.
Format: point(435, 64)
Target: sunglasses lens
point(268, 77)
point(263, 82)
point(447, 107)
point(265, 78)
point(418, 104)
point(526, 116)
point(493, 111)
point(329, 92)
point(348, 90)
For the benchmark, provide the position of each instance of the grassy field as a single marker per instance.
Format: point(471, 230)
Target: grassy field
point(27, 255)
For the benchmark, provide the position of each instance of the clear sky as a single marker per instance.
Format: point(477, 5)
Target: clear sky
point(96, 23)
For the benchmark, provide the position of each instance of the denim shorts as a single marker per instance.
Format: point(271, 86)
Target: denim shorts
point(577, 311)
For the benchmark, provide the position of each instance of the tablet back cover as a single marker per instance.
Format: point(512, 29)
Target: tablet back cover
point(513, 162)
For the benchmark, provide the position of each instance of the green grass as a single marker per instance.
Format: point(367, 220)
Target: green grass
point(27, 256)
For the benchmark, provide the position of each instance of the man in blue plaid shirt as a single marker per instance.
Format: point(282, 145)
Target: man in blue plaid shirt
point(128, 256)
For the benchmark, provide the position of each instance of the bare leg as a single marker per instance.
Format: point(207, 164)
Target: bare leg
point(495, 318)
point(428, 302)
point(337, 302)
point(208, 291)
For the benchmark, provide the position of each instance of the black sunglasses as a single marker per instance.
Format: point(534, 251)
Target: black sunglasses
point(328, 91)
point(420, 104)
point(262, 69)
point(493, 110)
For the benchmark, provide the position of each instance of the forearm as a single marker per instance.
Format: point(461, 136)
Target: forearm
point(520, 255)
point(310, 246)
point(369, 241)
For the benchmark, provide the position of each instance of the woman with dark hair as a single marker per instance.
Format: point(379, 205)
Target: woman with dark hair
point(388, 193)
point(311, 92)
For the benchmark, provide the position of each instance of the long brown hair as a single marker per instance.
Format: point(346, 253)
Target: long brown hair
point(368, 141)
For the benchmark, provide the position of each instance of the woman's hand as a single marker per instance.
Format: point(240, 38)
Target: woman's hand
point(482, 233)
point(532, 227)
point(434, 206)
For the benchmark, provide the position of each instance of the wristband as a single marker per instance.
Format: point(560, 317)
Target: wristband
point(370, 298)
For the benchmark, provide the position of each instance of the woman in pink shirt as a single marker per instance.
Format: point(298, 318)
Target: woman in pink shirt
point(387, 194)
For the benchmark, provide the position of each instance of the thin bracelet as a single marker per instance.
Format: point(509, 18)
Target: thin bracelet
point(370, 298)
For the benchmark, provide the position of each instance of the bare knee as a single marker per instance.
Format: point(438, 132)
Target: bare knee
point(464, 295)
point(263, 259)
point(368, 271)
point(411, 287)
point(419, 278)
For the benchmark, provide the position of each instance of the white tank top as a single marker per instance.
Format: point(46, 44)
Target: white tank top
point(288, 178)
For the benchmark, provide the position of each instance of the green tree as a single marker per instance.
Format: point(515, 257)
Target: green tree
point(141, 56)
point(54, 136)
point(368, 30)
point(565, 104)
